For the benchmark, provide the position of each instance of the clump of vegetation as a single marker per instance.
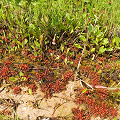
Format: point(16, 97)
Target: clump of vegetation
point(94, 96)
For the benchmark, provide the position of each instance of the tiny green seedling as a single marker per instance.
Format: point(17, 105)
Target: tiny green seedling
point(30, 91)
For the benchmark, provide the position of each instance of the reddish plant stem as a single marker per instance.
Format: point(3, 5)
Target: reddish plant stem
point(86, 24)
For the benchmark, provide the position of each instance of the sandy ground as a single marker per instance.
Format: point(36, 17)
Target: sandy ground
point(32, 106)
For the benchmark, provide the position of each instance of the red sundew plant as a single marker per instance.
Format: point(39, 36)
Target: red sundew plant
point(62, 57)
point(101, 59)
point(80, 114)
point(60, 64)
point(50, 79)
point(12, 73)
point(68, 75)
point(91, 74)
point(55, 65)
point(94, 78)
point(10, 57)
point(102, 93)
point(4, 73)
point(41, 76)
point(58, 86)
point(47, 72)
point(116, 65)
point(76, 61)
point(107, 66)
point(50, 51)
point(7, 62)
point(46, 89)
point(32, 57)
point(39, 57)
point(98, 67)
point(50, 88)
point(85, 69)
point(24, 67)
point(33, 87)
point(113, 58)
point(46, 62)
point(96, 106)
point(16, 90)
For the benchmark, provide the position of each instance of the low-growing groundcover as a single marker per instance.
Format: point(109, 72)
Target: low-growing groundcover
point(47, 45)
point(53, 75)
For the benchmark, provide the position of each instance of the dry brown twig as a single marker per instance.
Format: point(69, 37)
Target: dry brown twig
point(78, 67)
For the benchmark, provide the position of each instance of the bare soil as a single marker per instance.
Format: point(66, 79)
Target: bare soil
point(36, 106)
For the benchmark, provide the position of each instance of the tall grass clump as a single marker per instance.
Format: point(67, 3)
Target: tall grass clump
point(32, 19)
